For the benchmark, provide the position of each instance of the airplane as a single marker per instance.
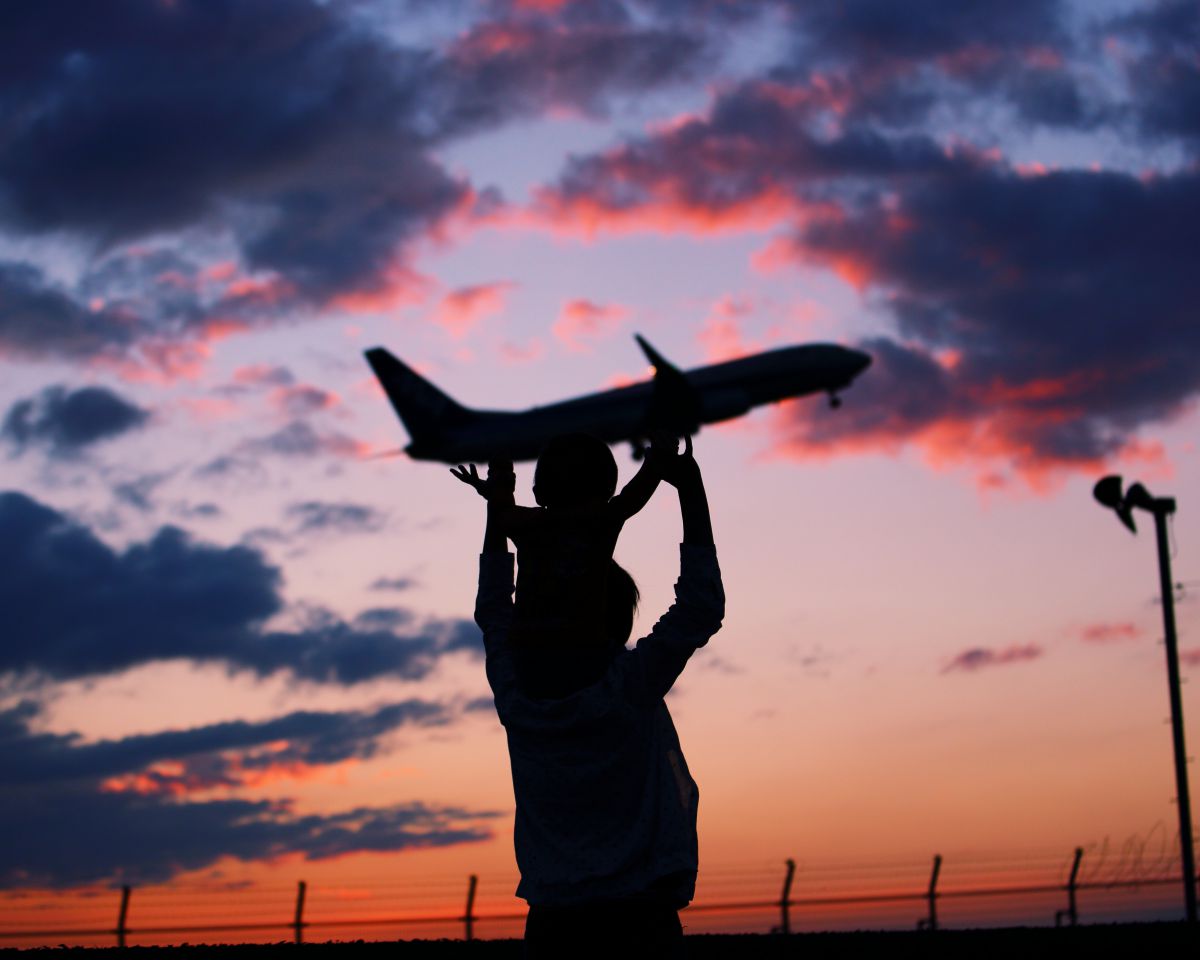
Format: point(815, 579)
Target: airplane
point(441, 429)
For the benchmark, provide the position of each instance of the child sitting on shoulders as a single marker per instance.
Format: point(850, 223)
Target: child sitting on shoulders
point(565, 544)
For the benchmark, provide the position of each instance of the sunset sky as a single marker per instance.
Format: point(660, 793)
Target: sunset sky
point(237, 650)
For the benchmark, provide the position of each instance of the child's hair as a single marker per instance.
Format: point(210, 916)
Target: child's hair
point(574, 468)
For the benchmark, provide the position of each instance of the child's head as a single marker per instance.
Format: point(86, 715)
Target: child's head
point(574, 468)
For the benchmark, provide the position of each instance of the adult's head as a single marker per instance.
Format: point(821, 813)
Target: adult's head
point(620, 607)
point(558, 670)
point(574, 468)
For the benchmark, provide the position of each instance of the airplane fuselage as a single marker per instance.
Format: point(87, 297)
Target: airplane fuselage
point(718, 392)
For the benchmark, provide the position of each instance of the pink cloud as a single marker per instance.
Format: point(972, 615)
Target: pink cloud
point(398, 286)
point(301, 399)
point(976, 658)
point(534, 349)
point(263, 375)
point(721, 333)
point(229, 770)
point(581, 323)
point(912, 399)
point(162, 361)
point(258, 291)
point(1110, 632)
point(463, 308)
point(210, 409)
point(666, 210)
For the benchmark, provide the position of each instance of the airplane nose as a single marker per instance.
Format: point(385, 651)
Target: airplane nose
point(859, 362)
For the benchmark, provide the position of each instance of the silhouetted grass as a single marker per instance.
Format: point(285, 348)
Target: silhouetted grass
point(1026, 943)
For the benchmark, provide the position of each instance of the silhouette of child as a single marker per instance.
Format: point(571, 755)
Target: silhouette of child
point(565, 544)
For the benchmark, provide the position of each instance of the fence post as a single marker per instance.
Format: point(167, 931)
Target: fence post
point(122, 916)
point(469, 917)
point(298, 921)
point(930, 922)
point(1070, 913)
point(785, 920)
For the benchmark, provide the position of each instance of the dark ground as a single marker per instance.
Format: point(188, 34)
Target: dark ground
point(1014, 943)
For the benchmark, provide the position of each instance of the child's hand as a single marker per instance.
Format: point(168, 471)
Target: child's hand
point(470, 475)
point(499, 484)
point(677, 469)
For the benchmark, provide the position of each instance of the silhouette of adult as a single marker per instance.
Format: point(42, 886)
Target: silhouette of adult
point(605, 830)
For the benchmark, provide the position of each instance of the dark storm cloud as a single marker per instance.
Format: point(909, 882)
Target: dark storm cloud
point(507, 68)
point(1044, 318)
point(319, 516)
point(77, 608)
point(228, 466)
point(150, 306)
point(300, 439)
point(40, 319)
point(307, 737)
point(905, 394)
point(290, 124)
point(1164, 74)
point(67, 837)
point(896, 63)
point(155, 116)
point(138, 493)
point(1069, 297)
point(65, 422)
point(119, 810)
point(758, 142)
point(387, 618)
point(1053, 98)
point(922, 29)
point(197, 511)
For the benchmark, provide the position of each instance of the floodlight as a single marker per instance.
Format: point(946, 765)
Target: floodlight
point(1138, 496)
point(1108, 493)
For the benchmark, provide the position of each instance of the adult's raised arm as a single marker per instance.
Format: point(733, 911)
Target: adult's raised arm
point(699, 605)
point(682, 472)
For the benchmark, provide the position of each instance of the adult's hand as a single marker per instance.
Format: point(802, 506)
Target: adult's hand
point(679, 469)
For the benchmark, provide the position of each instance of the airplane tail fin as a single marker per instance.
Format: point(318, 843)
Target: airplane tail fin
point(674, 404)
point(424, 409)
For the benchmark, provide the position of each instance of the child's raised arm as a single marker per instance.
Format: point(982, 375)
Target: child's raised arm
point(638, 491)
point(504, 518)
point(470, 476)
point(497, 490)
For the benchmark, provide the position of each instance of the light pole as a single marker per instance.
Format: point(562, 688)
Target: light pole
point(1108, 492)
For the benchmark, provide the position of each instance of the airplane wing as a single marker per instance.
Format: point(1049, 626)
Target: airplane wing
point(675, 401)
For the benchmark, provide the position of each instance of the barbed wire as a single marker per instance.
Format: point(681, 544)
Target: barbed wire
point(250, 910)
